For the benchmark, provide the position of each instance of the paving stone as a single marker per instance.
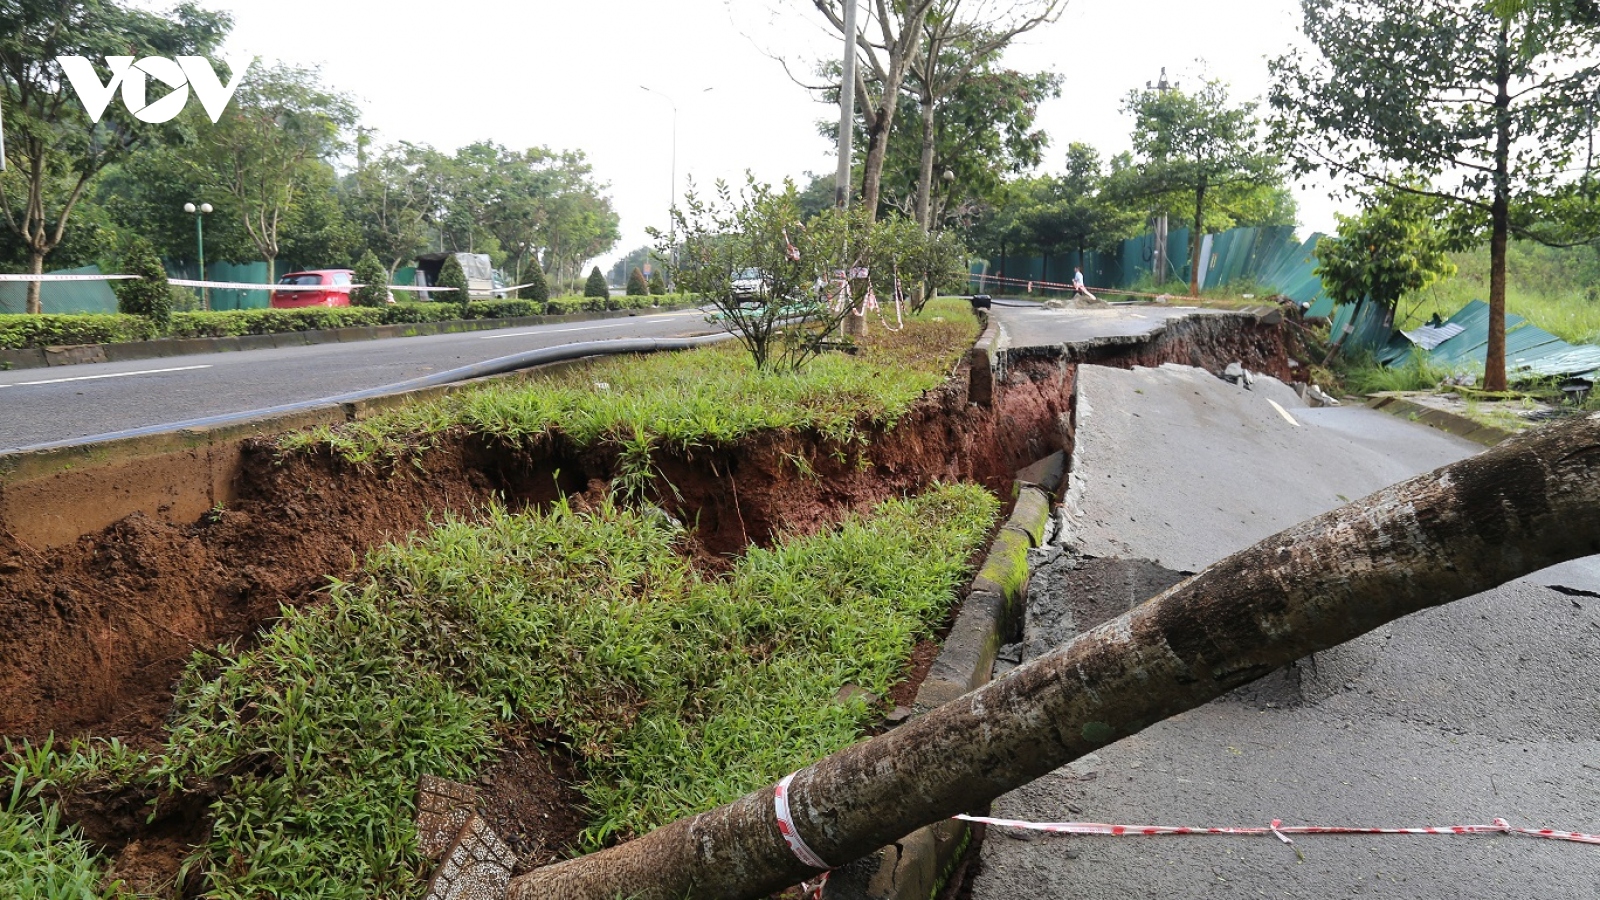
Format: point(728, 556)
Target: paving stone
point(443, 808)
point(477, 866)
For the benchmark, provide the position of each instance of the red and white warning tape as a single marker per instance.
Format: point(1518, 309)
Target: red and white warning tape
point(1281, 831)
point(802, 852)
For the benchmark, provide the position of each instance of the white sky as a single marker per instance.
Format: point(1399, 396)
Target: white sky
point(569, 75)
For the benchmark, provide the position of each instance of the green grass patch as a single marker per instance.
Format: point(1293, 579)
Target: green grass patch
point(708, 397)
point(1361, 374)
point(677, 691)
point(1557, 289)
point(40, 858)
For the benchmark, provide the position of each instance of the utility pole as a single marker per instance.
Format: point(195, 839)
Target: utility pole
point(1158, 267)
point(847, 107)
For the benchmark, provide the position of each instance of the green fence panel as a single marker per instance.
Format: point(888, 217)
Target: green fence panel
point(60, 297)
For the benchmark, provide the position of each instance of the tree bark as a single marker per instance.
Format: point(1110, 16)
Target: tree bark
point(1525, 505)
point(36, 267)
point(1494, 368)
point(925, 166)
point(1196, 239)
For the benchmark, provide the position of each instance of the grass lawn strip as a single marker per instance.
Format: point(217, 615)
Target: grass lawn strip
point(677, 692)
point(707, 397)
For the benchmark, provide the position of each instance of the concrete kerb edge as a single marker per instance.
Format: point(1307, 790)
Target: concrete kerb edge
point(1461, 426)
point(917, 866)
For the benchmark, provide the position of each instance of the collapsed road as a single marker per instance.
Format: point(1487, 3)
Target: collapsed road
point(1434, 538)
point(1479, 709)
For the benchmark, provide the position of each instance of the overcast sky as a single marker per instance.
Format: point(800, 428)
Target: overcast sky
point(569, 75)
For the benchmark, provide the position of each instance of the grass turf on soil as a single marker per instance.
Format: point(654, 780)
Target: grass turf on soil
point(677, 691)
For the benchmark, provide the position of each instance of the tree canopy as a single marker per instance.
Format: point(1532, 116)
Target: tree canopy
point(1193, 148)
point(53, 149)
point(1492, 103)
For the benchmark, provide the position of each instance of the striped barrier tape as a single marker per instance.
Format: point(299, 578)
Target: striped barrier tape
point(1058, 286)
point(1280, 830)
point(65, 277)
point(222, 285)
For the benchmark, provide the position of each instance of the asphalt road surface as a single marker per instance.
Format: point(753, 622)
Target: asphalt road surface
point(1480, 709)
point(67, 402)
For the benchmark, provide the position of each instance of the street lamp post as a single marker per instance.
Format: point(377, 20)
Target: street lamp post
point(672, 192)
point(200, 246)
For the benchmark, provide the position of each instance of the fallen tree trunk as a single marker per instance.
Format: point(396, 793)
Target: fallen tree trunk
point(1462, 529)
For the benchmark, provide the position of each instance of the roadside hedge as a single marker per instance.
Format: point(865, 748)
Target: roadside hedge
point(18, 332)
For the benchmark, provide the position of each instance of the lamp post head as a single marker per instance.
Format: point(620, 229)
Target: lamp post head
point(188, 207)
point(205, 207)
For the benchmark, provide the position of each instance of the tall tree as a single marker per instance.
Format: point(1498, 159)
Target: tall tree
point(1073, 211)
point(983, 132)
point(385, 197)
point(1196, 145)
point(960, 39)
point(1493, 103)
point(53, 150)
point(269, 150)
point(885, 47)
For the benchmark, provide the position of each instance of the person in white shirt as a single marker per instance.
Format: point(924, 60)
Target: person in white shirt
point(1077, 284)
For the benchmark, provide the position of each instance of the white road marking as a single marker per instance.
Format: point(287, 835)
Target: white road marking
point(1283, 412)
point(112, 375)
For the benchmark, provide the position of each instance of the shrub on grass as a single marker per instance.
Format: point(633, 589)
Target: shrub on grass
point(596, 285)
point(148, 295)
point(451, 276)
point(637, 287)
point(374, 281)
point(658, 285)
point(538, 289)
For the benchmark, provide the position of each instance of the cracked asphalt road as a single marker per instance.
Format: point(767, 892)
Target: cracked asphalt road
point(1480, 709)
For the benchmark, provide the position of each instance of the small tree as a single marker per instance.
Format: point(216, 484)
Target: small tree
point(800, 266)
point(596, 285)
point(538, 288)
point(451, 276)
point(636, 284)
point(1392, 248)
point(148, 295)
point(658, 285)
point(374, 281)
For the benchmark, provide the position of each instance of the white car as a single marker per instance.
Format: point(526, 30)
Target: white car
point(749, 284)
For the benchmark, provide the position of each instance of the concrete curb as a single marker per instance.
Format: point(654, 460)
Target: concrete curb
point(1461, 426)
point(986, 365)
point(917, 866)
point(76, 354)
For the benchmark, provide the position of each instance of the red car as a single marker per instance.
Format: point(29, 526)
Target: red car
point(335, 281)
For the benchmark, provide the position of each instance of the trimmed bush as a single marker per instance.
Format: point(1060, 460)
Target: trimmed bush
point(504, 309)
point(658, 285)
point(22, 332)
point(636, 284)
point(149, 295)
point(596, 285)
point(538, 289)
point(374, 281)
point(451, 276)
